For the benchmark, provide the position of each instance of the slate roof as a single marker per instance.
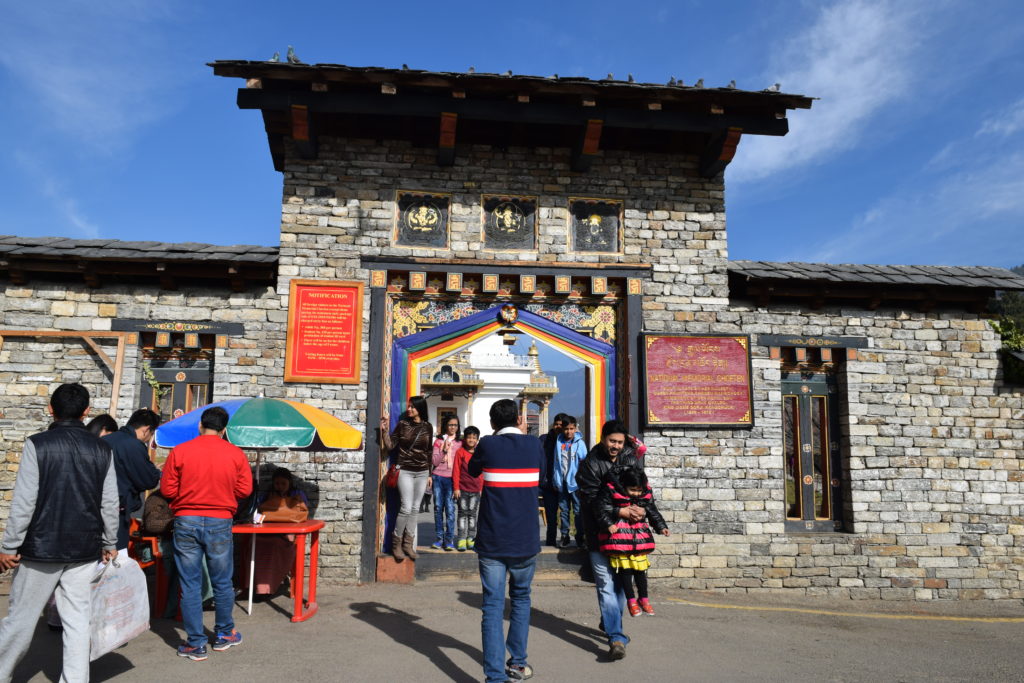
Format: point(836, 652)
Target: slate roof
point(986, 277)
point(246, 68)
point(107, 249)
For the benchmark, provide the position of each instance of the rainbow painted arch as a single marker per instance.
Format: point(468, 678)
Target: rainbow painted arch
point(410, 353)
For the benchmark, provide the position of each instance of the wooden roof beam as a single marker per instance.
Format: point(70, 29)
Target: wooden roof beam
point(537, 113)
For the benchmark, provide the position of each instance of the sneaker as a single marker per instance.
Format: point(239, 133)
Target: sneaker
point(634, 608)
point(226, 640)
point(565, 542)
point(471, 543)
point(518, 672)
point(196, 654)
point(436, 545)
point(646, 606)
point(449, 546)
point(462, 545)
point(617, 651)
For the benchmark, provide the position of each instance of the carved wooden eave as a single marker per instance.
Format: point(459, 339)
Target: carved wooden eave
point(100, 263)
point(920, 288)
point(301, 102)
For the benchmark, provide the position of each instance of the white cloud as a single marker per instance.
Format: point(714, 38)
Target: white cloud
point(978, 208)
point(96, 71)
point(1006, 122)
point(858, 57)
point(59, 199)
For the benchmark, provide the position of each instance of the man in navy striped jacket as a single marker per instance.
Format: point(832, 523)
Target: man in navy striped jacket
point(507, 537)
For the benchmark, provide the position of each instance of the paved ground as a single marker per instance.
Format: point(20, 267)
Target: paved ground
point(431, 632)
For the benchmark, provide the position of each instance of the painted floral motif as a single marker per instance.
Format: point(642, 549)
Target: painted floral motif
point(602, 321)
point(411, 317)
point(408, 317)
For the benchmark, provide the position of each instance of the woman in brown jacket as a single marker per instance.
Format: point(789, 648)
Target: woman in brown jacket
point(413, 437)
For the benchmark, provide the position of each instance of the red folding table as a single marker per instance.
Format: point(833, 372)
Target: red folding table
point(304, 609)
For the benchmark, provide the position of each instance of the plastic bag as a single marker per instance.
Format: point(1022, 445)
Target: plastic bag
point(120, 606)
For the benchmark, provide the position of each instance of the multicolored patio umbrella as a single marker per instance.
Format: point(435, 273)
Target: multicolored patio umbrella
point(266, 423)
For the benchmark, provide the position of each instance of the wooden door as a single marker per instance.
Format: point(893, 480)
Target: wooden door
point(810, 437)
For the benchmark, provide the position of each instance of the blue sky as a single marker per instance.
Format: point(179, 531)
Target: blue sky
point(114, 127)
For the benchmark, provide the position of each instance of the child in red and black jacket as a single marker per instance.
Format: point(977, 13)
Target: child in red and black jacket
point(466, 489)
point(627, 544)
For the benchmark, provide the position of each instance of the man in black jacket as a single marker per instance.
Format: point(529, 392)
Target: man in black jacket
point(136, 473)
point(63, 518)
point(615, 448)
point(549, 443)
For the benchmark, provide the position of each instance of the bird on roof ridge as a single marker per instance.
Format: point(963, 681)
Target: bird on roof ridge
point(292, 57)
point(629, 77)
point(611, 76)
point(672, 80)
point(471, 70)
point(773, 88)
point(509, 72)
point(275, 58)
point(699, 83)
point(405, 67)
point(554, 76)
point(732, 85)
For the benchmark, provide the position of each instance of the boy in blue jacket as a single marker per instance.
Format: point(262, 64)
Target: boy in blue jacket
point(570, 449)
point(507, 537)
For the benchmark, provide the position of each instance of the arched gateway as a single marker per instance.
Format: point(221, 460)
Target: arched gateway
point(411, 330)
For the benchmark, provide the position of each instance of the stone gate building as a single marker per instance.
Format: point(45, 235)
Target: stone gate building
point(880, 455)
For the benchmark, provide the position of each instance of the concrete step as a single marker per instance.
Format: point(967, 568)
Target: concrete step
point(553, 564)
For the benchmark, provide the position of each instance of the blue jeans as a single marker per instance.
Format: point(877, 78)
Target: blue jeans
point(195, 538)
point(566, 500)
point(492, 579)
point(610, 598)
point(444, 510)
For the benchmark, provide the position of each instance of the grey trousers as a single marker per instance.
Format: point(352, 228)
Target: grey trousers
point(411, 486)
point(31, 588)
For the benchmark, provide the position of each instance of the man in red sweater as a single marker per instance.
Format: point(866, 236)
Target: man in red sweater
point(204, 478)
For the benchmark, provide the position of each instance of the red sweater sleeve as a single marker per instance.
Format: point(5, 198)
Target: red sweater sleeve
point(457, 468)
point(243, 483)
point(171, 477)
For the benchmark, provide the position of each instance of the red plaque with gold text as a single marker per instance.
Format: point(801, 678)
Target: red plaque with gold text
point(697, 380)
point(325, 332)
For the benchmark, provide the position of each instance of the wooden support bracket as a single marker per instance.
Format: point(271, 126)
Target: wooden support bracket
point(589, 146)
point(720, 150)
point(116, 364)
point(446, 139)
point(302, 131)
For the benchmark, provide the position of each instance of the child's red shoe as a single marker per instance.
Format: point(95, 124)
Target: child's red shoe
point(646, 606)
point(634, 609)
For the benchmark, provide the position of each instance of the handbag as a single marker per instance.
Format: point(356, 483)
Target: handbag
point(157, 516)
point(277, 508)
point(391, 478)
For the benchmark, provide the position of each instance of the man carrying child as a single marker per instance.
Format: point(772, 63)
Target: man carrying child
point(615, 448)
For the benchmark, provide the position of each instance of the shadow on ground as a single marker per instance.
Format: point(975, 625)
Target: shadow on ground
point(403, 629)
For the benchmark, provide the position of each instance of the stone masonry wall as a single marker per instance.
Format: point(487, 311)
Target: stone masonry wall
point(931, 447)
point(32, 367)
point(341, 207)
point(931, 438)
